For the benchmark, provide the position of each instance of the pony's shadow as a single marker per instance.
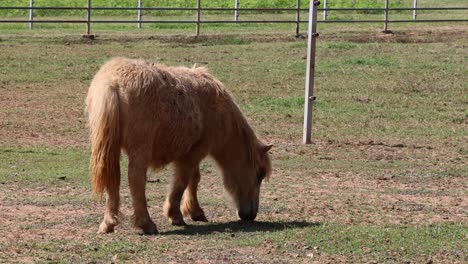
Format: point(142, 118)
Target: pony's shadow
point(238, 226)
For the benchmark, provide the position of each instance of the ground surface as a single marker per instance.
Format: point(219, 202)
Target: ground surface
point(384, 181)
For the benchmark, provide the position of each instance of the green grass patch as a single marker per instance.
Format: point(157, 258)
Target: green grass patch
point(371, 62)
point(376, 242)
point(406, 241)
point(362, 242)
point(43, 165)
point(341, 45)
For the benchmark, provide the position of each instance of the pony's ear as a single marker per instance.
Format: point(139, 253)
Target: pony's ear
point(266, 148)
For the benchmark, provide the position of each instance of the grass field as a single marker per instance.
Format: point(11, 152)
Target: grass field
point(384, 181)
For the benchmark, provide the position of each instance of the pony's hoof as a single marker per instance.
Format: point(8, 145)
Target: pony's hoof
point(178, 222)
point(199, 218)
point(196, 215)
point(148, 229)
point(105, 228)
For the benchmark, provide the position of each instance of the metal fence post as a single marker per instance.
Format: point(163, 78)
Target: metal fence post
point(298, 17)
point(31, 13)
point(386, 18)
point(139, 13)
point(88, 21)
point(198, 17)
point(236, 11)
point(309, 83)
point(325, 11)
point(415, 6)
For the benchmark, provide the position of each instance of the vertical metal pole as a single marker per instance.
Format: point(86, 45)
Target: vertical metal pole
point(309, 83)
point(325, 11)
point(415, 6)
point(198, 17)
point(386, 17)
point(88, 19)
point(236, 11)
point(298, 17)
point(139, 13)
point(31, 13)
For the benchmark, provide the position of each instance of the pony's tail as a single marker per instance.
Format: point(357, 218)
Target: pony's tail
point(103, 113)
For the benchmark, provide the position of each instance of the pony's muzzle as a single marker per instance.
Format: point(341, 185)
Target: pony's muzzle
point(248, 215)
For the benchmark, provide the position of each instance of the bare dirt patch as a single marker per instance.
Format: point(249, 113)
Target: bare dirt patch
point(42, 114)
point(351, 198)
point(45, 215)
point(27, 217)
point(435, 34)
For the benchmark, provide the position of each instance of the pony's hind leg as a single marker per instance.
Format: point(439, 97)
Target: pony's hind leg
point(179, 182)
point(112, 211)
point(190, 206)
point(137, 169)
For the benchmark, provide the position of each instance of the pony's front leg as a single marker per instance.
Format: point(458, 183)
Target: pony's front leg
point(137, 182)
point(190, 205)
point(112, 210)
point(179, 182)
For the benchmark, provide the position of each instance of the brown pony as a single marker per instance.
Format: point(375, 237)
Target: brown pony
point(158, 115)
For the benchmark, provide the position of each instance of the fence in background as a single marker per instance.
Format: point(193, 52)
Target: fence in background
point(236, 11)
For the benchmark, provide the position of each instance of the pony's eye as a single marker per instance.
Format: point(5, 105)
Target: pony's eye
point(260, 174)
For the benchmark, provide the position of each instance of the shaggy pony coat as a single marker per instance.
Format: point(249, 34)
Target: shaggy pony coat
point(157, 115)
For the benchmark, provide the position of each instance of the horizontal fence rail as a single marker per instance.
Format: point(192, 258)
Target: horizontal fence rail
point(223, 8)
point(88, 10)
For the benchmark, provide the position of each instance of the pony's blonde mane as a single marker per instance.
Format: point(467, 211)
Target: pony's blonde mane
point(251, 142)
